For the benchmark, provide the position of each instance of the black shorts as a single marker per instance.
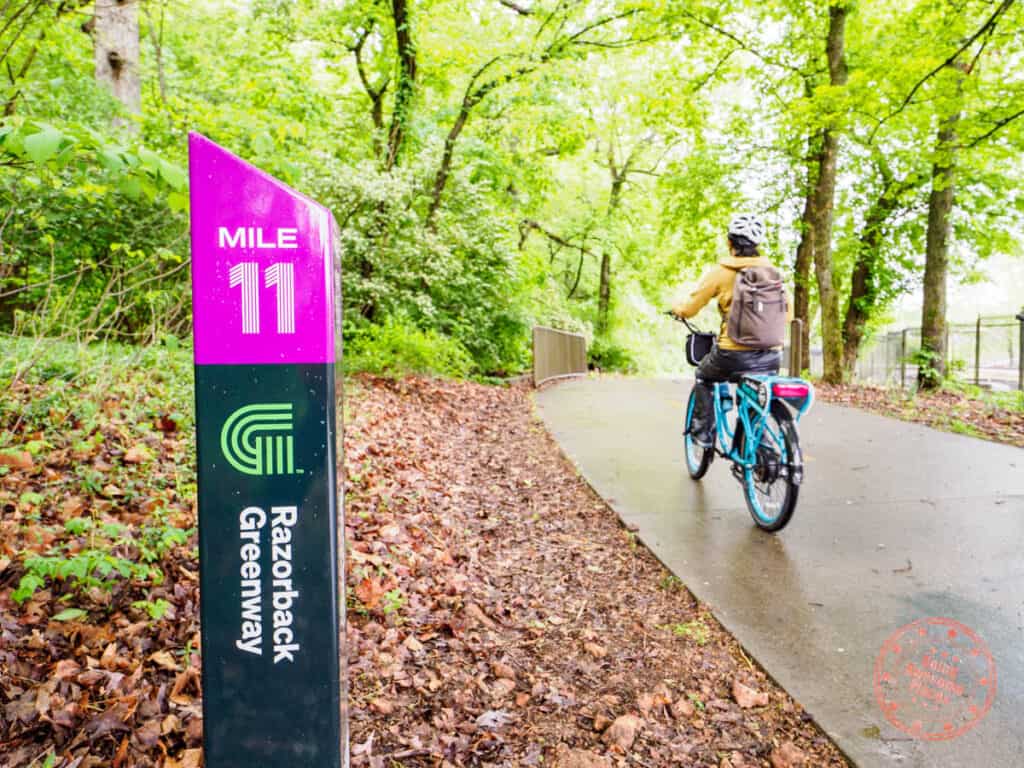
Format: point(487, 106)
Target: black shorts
point(721, 364)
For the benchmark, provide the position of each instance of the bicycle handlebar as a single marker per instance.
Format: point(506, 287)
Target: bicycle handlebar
point(684, 321)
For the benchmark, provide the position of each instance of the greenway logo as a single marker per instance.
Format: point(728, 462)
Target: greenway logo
point(257, 439)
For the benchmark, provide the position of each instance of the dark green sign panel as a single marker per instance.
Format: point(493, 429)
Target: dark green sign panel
point(269, 518)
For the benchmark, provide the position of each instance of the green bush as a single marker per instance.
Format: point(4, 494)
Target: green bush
point(398, 349)
point(608, 356)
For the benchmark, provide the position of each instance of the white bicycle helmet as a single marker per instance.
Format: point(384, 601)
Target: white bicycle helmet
point(749, 226)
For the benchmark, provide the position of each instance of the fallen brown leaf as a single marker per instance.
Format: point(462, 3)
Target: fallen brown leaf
point(747, 697)
point(622, 732)
point(16, 459)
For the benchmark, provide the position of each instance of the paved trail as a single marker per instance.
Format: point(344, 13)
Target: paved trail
point(896, 522)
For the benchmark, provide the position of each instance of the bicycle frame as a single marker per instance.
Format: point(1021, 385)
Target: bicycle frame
point(753, 397)
point(752, 410)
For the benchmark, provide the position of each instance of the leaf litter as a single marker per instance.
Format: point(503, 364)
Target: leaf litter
point(527, 626)
point(990, 416)
point(499, 614)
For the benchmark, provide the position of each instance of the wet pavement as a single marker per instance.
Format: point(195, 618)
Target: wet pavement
point(895, 523)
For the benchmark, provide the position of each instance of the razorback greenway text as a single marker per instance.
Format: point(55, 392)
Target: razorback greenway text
point(251, 523)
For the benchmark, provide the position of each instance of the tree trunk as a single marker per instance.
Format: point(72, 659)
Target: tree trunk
point(604, 298)
point(156, 36)
point(116, 51)
point(802, 272)
point(443, 171)
point(828, 297)
point(604, 294)
point(822, 208)
point(376, 93)
point(864, 289)
point(405, 90)
point(932, 367)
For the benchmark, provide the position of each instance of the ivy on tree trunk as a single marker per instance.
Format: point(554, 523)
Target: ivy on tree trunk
point(405, 90)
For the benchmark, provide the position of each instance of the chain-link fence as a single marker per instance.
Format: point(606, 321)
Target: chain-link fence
point(986, 353)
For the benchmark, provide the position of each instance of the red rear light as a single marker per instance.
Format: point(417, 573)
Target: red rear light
point(790, 390)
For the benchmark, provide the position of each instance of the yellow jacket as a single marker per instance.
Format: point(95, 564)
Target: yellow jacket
point(718, 284)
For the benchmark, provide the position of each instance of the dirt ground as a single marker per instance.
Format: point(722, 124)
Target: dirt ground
point(1000, 419)
point(501, 614)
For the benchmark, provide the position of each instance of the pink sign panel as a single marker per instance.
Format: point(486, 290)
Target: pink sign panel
point(262, 280)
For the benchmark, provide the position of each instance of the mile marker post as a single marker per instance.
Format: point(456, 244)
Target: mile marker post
point(271, 523)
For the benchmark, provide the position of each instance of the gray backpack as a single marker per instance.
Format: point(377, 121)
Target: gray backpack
point(757, 317)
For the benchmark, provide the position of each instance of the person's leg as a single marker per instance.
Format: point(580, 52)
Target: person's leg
point(719, 366)
point(702, 426)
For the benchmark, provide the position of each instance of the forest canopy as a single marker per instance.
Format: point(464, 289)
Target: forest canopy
point(496, 164)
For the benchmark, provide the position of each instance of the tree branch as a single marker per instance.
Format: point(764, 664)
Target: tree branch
point(998, 124)
point(476, 91)
point(987, 27)
point(517, 8)
point(745, 45)
point(528, 225)
point(579, 271)
point(617, 44)
point(699, 85)
point(597, 25)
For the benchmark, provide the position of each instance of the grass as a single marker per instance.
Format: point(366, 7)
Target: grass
point(695, 630)
point(111, 484)
point(47, 387)
point(1004, 400)
point(957, 407)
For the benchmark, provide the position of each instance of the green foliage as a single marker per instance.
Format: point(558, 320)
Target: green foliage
point(70, 614)
point(81, 571)
point(458, 281)
point(695, 630)
point(995, 400)
point(608, 356)
point(88, 400)
point(670, 583)
point(152, 382)
point(101, 555)
point(532, 147)
point(156, 609)
point(392, 601)
point(396, 349)
point(929, 369)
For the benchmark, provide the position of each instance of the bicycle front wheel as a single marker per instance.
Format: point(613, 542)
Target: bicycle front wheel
point(697, 459)
point(769, 487)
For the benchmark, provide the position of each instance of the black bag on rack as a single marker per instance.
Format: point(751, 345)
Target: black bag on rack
point(698, 346)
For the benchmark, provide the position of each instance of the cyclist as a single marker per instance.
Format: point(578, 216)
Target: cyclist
point(728, 357)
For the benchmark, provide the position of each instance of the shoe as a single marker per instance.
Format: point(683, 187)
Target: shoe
point(701, 435)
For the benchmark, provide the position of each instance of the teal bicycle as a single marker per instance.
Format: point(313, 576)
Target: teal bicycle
point(756, 418)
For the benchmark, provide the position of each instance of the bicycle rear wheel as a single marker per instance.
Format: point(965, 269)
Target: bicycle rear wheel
point(770, 488)
point(697, 459)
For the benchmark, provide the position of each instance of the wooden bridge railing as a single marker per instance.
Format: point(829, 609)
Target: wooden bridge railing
point(557, 354)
